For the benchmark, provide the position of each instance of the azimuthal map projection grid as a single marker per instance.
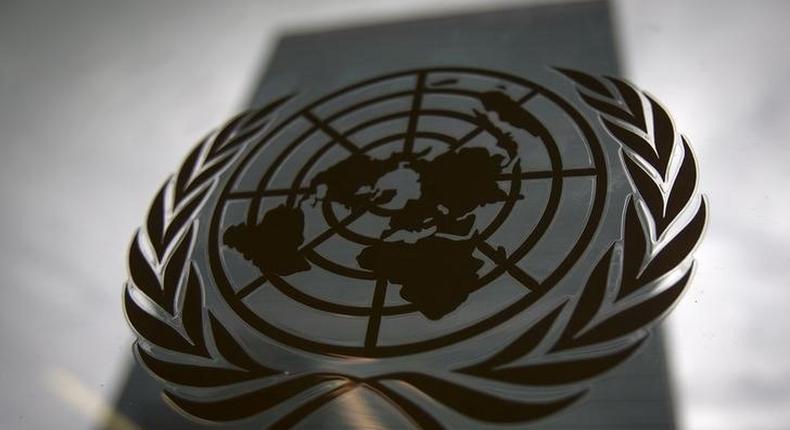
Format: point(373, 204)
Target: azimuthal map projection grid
point(295, 258)
point(441, 124)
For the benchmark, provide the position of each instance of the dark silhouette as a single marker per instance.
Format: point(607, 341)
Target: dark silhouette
point(504, 139)
point(511, 112)
point(452, 185)
point(345, 179)
point(436, 273)
point(273, 245)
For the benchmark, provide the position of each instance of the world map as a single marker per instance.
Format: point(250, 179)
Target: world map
point(438, 270)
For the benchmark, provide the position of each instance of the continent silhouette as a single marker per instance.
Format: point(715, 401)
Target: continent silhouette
point(452, 185)
point(436, 273)
point(273, 245)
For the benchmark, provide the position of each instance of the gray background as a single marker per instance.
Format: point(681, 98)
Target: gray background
point(100, 100)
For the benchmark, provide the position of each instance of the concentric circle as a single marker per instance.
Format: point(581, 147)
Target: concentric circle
point(363, 120)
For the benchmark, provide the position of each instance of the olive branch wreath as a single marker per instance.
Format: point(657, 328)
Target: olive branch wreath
point(636, 282)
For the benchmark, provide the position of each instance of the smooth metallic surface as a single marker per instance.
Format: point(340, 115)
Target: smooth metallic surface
point(317, 310)
point(78, 80)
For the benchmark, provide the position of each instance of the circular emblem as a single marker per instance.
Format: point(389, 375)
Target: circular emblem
point(502, 232)
point(406, 182)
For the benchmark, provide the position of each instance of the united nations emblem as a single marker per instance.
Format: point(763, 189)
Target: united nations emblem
point(447, 240)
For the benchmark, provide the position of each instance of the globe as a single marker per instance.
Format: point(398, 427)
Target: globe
point(407, 212)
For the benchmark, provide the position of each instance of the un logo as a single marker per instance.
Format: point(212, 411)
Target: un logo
point(444, 236)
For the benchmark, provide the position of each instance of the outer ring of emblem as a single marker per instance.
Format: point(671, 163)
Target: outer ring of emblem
point(280, 335)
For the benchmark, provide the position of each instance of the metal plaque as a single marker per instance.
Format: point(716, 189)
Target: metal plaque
point(464, 235)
